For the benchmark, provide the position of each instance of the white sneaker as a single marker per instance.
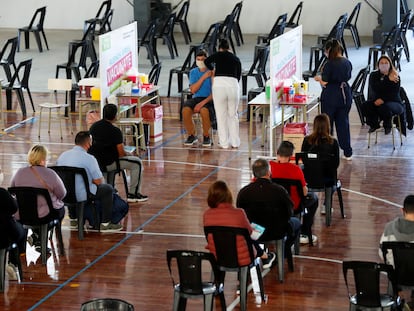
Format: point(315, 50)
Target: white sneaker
point(11, 272)
point(323, 210)
point(347, 158)
point(305, 240)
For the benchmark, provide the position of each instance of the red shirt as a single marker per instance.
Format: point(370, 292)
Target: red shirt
point(290, 171)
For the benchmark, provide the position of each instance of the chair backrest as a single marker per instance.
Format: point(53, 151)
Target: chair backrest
point(27, 201)
point(358, 85)
point(403, 255)
point(93, 70)
point(182, 14)
point(406, 21)
point(104, 9)
point(211, 37)
point(89, 34)
point(169, 25)
point(190, 59)
point(353, 17)
point(59, 84)
point(226, 242)
point(260, 60)
point(278, 27)
point(71, 177)
point(391, 39)
point(237, 11)
point(107, 304)
point(154, 74)
point(190, 269)
point(291, 186)
point(227, 26)
point(367, 281)
point(38, 18)
point(337, 31)
point(319, 169)
point(107, 22)
point(25, 67)
point(294, 18)
point(11, 47)
point(149, 33)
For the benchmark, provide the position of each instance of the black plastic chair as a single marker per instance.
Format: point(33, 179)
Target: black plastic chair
point(257, 69)
point(320, 175)
point(358, 87)
point(3, 263)
point(210, 39)
point(18, 83)
point(154, 74)
point(337, 32)
point(8, 60)
point(225, 242)
point(289, 185)
point(188, 64)
point(72, 176)
point(294, 18)
point(107, 304)
point(365, 291)
point(106, 25)
point(100, 16)
point(76, 60)
point(88, 37)
point(167, 34)
point(402, 254)
point(191, 283)
point(277, 30)
point(35, 26)
point(27, 200)
point(182, 21)
point(351, 25)
point(148, 41)
point(226, 30)
point(405, 25)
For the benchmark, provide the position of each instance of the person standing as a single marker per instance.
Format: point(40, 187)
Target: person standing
point(384, 99)
point(201, 102)
point(226, 94)
point(336, 97)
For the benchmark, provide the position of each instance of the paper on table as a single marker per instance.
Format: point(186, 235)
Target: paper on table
point(257, 231)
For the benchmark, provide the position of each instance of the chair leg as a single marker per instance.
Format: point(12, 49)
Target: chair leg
point(341, 202)
point(31, 99)
point(328, 205)
point(59, 237)
point(26, 40)
point(43, 242)
point(243, 288)
point(38, 41)
point(280, 250)
point(244, 85)
point(20, 98)
point(169, 84)
point(44, 37)
point(80, 209)
point(3, 264)
point(208, 302)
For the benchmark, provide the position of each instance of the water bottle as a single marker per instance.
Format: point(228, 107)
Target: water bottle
point(291, 93)
point(268, 89)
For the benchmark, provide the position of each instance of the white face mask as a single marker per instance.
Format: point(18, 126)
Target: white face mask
point(384, 68)
point(200, 64)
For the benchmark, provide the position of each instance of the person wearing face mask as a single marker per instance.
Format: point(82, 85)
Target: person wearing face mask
point(226, 94)
point(201, 102)
point(384, 99)
point(336, 96)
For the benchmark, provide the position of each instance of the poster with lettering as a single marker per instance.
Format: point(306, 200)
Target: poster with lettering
point(118, 52)
point(285, 63)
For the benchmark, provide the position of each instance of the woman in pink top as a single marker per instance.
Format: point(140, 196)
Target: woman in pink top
point(39, 176)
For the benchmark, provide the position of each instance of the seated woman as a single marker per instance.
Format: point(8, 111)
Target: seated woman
point(384, 99)
point(321, 142)
point(11, 231)
point(39, 176)
point(222, 212)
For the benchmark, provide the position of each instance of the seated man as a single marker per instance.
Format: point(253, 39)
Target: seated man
point(108, 149)
point(201, 102)
point(282, 168)
point(269, 205)
point(78, 157)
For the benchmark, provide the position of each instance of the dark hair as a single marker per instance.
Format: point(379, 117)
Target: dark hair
point(218, 193)
point(202, 53)
point(409, 204)
point(82, 137)
point(223, 44)
point(109, 112)
point(285, 149)
point(260, 168)
point(321, 130)
point(335, 48)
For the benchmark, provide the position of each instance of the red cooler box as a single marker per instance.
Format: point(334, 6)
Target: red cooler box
point(295, 132)
point(152, 115)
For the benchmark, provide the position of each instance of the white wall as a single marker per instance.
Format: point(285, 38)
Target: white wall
point(257, 16)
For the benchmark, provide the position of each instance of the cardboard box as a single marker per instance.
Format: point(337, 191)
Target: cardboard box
point(295, 139)
point(155, 128)
point(151, 112)
point(295, 133)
